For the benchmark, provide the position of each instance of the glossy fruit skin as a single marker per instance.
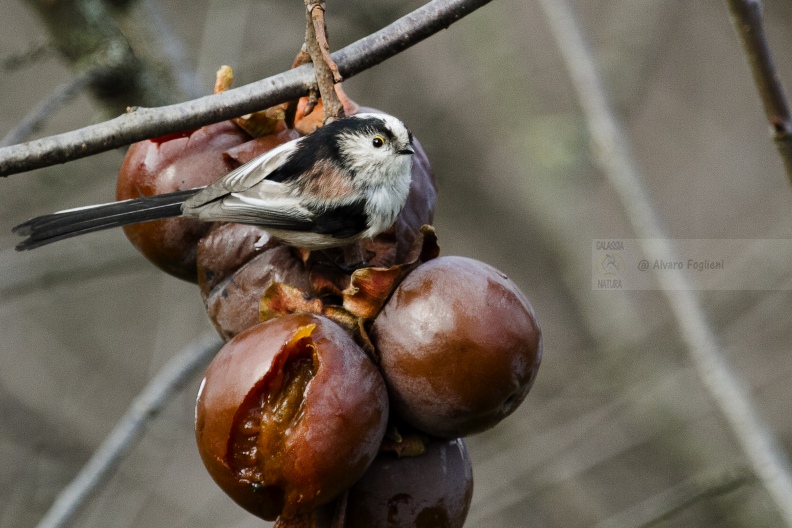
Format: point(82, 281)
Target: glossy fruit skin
point(174, 163)
point(460, 347)
point(233, 274)
point(337, 424)
point(432, 490)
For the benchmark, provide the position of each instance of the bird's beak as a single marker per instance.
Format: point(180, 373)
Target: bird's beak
point(407, 150)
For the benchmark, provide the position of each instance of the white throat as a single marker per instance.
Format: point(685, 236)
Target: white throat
point(386, 199)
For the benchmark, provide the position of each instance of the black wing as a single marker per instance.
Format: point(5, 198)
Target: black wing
point(342, 222)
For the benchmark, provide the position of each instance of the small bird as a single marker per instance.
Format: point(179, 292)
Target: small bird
point(346, 181)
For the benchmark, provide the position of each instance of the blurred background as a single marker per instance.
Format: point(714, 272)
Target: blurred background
point(618, 419)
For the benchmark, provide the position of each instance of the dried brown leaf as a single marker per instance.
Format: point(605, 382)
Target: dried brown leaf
point(223, 79)
point(370, 288)
point(281, 299)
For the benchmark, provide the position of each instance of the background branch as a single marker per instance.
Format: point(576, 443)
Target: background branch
point(671, 501)
point(613, 155)
point(23, 275)
point(114, 39)
point(26, 57)
point(46, 108)
point(171, 47)
point(145, 123)
point(123, 437)
point(747, 18)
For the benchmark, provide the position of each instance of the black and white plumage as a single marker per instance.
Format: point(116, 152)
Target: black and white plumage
point(346, 181)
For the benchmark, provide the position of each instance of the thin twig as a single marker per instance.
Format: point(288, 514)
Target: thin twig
point(747, 18)
point(173, 48)
point(23, 274)
point(613, 155)
point(92, 34)
point(675, 499)
point(317, 16)
point(291, 107)
point(152, 122)
point(46, 108)
point(326, 70)
point(122, 439)
point(302, 57)
point(33, 54)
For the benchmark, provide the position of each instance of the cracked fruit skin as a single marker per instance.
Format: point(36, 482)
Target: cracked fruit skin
point(432, 490)
point(174, 163)
point(460, 347)
point(290, 413)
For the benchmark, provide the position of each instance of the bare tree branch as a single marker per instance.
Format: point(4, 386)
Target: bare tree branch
point(613, 155)
point(146, 123)
point(105, 37)
point(26, 57)
point(747, 18)
point(675, 499)
point(172, 47)
point(46, 108)
point(122, 439)
point(23, 275)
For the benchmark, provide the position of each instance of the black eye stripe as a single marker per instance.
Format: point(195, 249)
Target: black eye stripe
point(388, 133)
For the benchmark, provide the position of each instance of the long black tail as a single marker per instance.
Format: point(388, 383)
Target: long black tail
point(46, 229)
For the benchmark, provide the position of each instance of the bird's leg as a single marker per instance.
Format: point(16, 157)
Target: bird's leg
point(352, 258)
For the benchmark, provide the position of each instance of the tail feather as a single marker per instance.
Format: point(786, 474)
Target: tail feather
point(46, 229)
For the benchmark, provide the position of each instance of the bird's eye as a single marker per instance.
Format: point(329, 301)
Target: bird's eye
point(378, 141)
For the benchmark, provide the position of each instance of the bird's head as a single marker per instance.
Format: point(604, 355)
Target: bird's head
point(377, 147)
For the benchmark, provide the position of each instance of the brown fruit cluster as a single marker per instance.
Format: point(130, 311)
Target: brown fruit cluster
point(340, 398)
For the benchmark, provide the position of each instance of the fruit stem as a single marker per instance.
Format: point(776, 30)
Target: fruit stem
point(326, 69)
